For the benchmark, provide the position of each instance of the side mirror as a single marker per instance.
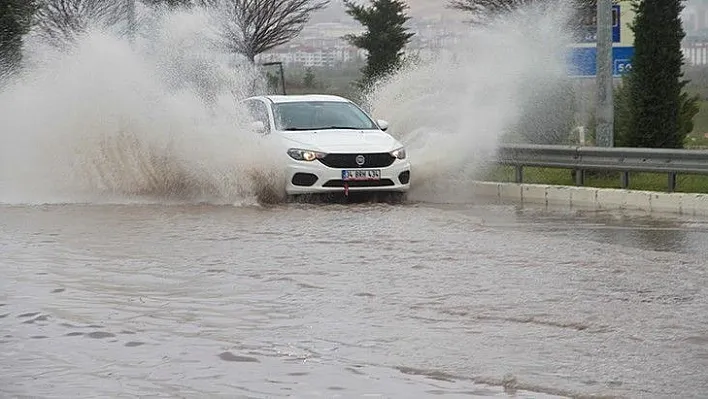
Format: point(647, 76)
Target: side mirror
point(258, 127)
point(383, 125)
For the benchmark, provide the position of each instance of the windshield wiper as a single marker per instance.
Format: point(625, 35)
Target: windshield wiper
point(295, 129)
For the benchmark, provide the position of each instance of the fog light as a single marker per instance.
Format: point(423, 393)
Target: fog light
point(304, 179)
point(404, 177)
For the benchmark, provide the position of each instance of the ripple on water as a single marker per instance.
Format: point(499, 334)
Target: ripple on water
point(230, 357)
point(100, 335)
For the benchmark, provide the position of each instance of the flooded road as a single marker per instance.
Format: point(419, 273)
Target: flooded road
point(417, 300)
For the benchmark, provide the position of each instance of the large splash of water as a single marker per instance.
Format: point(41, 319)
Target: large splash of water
point(109, 120)
point(452, 110)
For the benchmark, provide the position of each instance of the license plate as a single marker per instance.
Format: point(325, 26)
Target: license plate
point(361, 174)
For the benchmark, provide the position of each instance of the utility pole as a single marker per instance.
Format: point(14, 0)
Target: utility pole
point(605, 104)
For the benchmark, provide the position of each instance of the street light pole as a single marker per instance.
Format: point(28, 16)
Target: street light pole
point(605, 104)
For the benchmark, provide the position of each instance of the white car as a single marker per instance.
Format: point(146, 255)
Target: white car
point(330, 145)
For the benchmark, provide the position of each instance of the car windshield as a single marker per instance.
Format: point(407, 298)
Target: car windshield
point(320, 115)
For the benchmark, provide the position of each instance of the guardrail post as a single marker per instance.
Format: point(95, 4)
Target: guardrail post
point(519, 173)
point(625, 180)
point(579, 177)
point(672, 182)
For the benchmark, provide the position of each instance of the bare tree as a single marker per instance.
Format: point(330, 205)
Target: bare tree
point(60, 21)
point(483, 11)
point(486, 8)
point(176, 3)
point(251, 27)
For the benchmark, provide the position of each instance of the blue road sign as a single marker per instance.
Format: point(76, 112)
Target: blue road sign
point(587, 30)
point(616, 24)
point(583, 61)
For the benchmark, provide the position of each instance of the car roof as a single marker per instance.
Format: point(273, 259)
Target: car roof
point(277, 99)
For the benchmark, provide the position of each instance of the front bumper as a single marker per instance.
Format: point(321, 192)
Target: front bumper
point(301, 178)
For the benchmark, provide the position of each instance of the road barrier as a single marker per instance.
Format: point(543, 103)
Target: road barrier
point(624, 160)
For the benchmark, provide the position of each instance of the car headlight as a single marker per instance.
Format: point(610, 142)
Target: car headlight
point(399, 153)
point(305, 155)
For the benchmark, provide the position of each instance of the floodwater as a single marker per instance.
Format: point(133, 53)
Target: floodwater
point(365, 300)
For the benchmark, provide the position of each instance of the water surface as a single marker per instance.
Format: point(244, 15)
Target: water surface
point(416, 300)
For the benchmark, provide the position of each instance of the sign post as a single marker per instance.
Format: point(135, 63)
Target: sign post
point(604, 131)
point(603, 49)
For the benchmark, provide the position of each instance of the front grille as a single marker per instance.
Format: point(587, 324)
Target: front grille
point(360, 183)
point(341, 161)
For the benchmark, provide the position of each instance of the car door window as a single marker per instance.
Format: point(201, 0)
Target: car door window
point(259, 112)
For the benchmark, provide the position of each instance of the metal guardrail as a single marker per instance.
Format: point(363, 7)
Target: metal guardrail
point(624, 160)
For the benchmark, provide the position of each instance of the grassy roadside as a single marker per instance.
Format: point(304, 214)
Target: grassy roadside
point(637, 181)
point(698, 139)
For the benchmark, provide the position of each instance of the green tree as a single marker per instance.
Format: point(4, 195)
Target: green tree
point(623, 113)
point(273, 83)
point(309, 80)
point(15, 21)
point(385, 36)
point(661, 115)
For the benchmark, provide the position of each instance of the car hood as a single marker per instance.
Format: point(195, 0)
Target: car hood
point(338, 141)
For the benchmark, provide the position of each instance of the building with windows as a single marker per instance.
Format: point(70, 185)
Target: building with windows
point(695, 19)
point(308, 55)
point(695, 24)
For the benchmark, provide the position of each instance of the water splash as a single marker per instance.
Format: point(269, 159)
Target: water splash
point(158, 120)
point(451, 111)
point(107, 120)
